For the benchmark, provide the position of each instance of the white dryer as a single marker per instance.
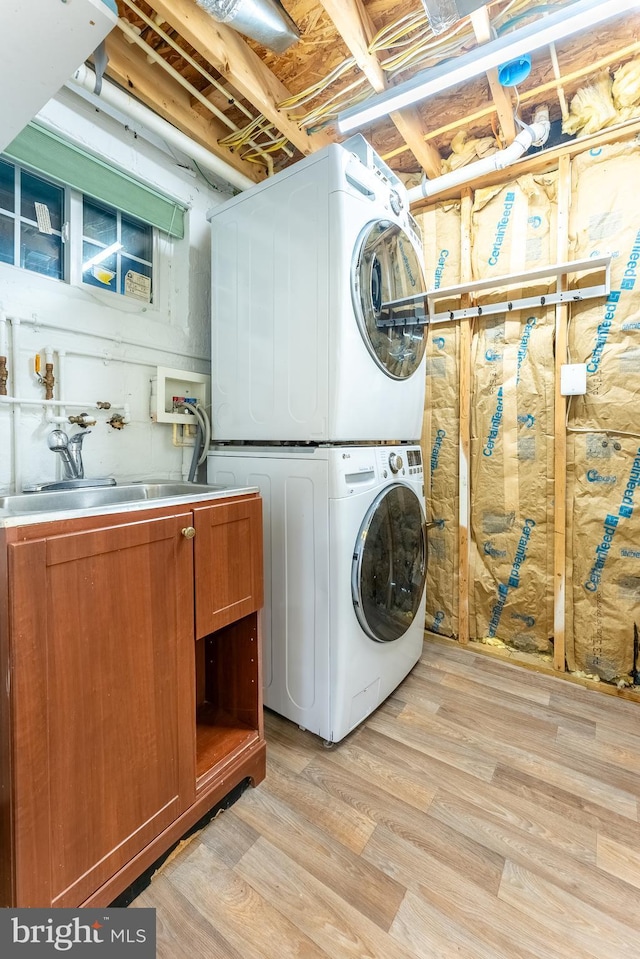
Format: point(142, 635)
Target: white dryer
point(309, 343)
point(345, 567)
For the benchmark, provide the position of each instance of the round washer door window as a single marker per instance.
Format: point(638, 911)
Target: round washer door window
point(386, 268)
point(390, 564)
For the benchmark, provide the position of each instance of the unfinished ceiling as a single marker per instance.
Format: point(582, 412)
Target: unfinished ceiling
point(260, 110)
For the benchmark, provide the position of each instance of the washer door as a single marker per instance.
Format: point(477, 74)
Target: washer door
point(390, 564)
point(386, 267)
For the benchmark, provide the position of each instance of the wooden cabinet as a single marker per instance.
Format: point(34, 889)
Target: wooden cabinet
point(131, 691)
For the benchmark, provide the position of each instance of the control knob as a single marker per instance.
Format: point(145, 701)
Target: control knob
point(395, 462)
point(396, 202)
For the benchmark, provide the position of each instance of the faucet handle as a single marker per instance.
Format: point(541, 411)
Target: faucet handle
point(77, 438)
point(57, 440)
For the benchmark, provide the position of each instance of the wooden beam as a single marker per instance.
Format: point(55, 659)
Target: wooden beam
point(356, 28)
point(157, 90)
point(540, 162)
point(504, 107)
point(560, 429)
point(465, 585)
point(239, 65)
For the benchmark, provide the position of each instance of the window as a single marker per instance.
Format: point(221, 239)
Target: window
point(37, 215)
point(117, 251)
point(31, 221)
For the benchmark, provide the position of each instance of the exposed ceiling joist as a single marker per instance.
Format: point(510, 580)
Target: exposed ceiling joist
point(356, 28)
point(225, 50)
point(504, 107)
point(157, 90)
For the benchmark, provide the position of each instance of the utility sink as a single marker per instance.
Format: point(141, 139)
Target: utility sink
point(88, 497)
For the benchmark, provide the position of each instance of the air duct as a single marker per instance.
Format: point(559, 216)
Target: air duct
point(263, 20)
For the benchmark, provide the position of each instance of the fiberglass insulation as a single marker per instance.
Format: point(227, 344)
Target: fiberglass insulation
point(512, 386)
point(603, 545)
point(440, 435)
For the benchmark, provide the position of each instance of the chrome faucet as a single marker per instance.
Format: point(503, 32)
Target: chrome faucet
point(70, 450)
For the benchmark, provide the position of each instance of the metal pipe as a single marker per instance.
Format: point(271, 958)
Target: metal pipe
point(263, 20)
point(16, 408)
point(4, 373)
point(113, 96)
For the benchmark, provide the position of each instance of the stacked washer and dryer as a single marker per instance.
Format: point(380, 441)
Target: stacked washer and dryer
point(318, 342)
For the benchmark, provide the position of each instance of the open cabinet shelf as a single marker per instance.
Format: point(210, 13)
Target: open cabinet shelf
point(227, 717)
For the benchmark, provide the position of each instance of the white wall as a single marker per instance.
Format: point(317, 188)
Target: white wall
point(112, 344)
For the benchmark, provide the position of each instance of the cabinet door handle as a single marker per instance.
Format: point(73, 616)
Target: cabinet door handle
point(188, 532)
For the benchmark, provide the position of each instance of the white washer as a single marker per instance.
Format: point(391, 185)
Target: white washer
point(345, 566)
point(305, 346)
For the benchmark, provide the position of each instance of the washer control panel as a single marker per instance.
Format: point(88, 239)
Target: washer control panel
point(399, 462)
point(395, 462)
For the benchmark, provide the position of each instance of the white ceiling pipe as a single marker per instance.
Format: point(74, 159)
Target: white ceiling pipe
point(115, 97)
point(537, 133)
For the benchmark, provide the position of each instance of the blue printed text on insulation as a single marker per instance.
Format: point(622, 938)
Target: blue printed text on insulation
point(630, 553)
point(501, 228)
point(628, 282)
point(630, 274)
point(514, 576)
point(494, 429)
point(529, 621)
point(437, 620)
point(602, 551)
point(593, 476)
point(602, 332)
point(626, 509)
point(407, 265)
point(437, 278)
point(490, 550)
point(435, 452)
point(611, 524)
point(524, 344)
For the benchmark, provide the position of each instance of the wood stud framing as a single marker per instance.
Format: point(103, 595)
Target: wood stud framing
point(413, 140)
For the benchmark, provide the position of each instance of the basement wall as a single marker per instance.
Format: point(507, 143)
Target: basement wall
point(441, 233)
point(124, 340)
point(513, 228)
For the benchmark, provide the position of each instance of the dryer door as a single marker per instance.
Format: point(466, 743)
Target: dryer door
point(386, 267)
point(390, 564)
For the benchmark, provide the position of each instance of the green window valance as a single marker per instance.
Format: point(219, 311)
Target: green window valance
point(53, 156)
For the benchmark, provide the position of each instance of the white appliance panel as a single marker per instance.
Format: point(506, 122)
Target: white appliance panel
point(289, 362)
point(325, 673)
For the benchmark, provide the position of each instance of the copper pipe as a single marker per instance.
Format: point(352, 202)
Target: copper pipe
point(49, 381)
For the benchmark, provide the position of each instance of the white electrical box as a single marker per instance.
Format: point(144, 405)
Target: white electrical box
point(43, 44)
point(171, 387)
point(573, 379)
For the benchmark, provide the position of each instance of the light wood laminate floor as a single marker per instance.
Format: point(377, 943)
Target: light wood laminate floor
point(483, 812)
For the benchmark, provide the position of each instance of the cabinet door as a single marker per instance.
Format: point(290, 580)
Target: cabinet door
point(228, 563)
point(103, 701)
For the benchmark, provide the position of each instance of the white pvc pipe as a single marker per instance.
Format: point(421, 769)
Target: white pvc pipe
point(76, 404)
point(112, 95)
point(16, 408)
point(3, 334)
point(536, 133)
point(61, 379)
point(39, 323)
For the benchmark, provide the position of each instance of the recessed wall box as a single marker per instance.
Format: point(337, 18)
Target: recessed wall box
point(573, 379)
point(171, 387)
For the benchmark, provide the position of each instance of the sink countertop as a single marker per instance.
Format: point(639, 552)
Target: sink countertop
point(10, 518)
